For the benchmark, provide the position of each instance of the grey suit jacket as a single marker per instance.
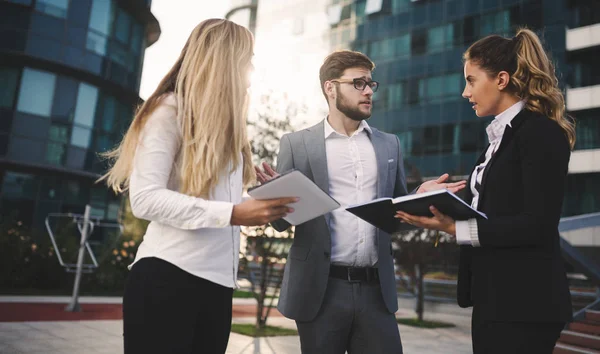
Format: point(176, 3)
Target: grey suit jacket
point(307, 268)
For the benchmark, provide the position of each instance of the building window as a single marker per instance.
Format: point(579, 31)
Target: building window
point(402, 46)
point(440, 38)
point(101, 16)
point(122, 26)
point(57, 8)
point(396, 96)
point(582, 195)
point(86, 105)
point(65, 98)
point(96, 43)
point(399, 6)
point(419, 42)
point(19, 186)
point(9, 78)
point(80, 137)
point(588, 129)
point(36, 93)
point(495, 23)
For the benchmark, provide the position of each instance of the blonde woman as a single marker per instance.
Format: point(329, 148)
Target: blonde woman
point(185, 159)
point(511, 270)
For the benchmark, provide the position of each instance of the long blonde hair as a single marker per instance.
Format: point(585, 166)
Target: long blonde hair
point(532, 75)
point(209, 81)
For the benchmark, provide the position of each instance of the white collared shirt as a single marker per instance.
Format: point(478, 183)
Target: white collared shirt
point(192, 233)
point(466, 230)
point(352, 170)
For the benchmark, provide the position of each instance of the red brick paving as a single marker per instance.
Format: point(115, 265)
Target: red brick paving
point(32, 312)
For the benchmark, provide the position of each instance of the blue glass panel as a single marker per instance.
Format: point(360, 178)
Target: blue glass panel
point(87, 98)
point(101, 16)
point(47, 26)
point(26, 150)
point(74, 57)
point(122, 26)
point(31, 126)
point(64, 99)
point(57, 8)
point(37, 92)
point(79, 12)
point(43, 48)
point(77, 36)
point(55, 153)
point(9, 78)
point(81, 137)
point(19, 186)
point(76, 157)
point(6, 119)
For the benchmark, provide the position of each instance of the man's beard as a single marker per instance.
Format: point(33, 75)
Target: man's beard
point(352, 113)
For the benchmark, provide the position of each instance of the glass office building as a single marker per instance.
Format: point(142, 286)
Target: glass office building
point(69, 78)
point(417, 46)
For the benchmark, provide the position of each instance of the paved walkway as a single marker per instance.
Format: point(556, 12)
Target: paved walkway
point(105, 336)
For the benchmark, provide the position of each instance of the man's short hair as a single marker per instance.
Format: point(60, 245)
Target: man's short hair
point(337, 62)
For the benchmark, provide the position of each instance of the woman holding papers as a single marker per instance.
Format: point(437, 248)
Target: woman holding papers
point(187, 180)
point(511, 270)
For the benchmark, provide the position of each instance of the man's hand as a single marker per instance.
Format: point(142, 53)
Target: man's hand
point(266, 175)
point(254, 212)
point(440, 183)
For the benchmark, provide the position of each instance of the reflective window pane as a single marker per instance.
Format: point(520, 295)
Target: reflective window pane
point(31, 126)
point(81, 137)
point(8, 78)
point(64, 100)
point(96, 43)
point(76, 157)
point(19, 186)
point(23, 2)
point(101, 16)
point(26, 150)
point(59, 133)
point(37, 92)
point(55, 153)
point(137, 36)
point(86, 105)
point(56, 8)
point(122, 26)
point(109, 111)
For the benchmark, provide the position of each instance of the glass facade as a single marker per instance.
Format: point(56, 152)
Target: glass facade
point(417, 46)
point(69, 80)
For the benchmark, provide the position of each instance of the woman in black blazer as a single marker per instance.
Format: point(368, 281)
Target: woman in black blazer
point(511, 270)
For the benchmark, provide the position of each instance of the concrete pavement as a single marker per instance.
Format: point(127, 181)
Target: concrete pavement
point(105, 336)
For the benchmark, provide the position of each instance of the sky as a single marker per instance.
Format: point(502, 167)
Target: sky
point(274, 55)
point(177, 19)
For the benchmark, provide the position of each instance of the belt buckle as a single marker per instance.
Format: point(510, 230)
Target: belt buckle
point(350, 280)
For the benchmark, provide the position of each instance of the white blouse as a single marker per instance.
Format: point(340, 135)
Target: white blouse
point(192, 233)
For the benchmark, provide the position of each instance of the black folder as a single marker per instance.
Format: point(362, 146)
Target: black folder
point(380, 212)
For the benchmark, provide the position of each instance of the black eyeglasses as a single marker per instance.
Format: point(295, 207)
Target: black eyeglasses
point(360, 84)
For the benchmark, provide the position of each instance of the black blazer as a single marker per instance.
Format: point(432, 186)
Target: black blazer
point(518, 274)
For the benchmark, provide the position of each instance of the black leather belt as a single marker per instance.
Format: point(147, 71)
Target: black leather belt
point(354, 274)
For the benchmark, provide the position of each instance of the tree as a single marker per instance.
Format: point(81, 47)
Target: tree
point(415, 253)
point(266, 249)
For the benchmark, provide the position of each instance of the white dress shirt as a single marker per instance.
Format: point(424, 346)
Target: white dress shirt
point(192, 233)
point(352, 170)
point(467, 232)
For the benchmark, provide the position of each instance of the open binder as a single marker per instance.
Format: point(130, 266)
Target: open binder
point(313, 202)
point(380, 212)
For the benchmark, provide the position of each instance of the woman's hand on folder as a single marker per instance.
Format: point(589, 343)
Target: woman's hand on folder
point(254, 212)
point(438, 222)
point(440, 183)
point(266, 174)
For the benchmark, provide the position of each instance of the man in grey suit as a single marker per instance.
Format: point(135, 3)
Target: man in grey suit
point(339, 282)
